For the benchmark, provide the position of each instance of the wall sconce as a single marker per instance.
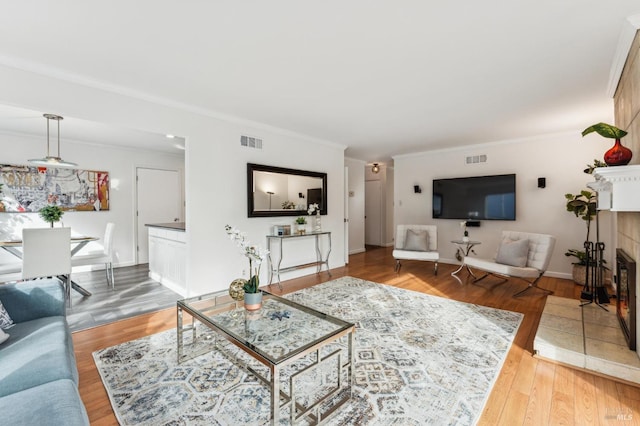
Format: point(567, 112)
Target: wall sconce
point(375, 168)
point(417, 189)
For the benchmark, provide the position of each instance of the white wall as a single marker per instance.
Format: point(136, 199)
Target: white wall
point(559, 158)
point(120, 163)
point(356, 204)
point(215, 165)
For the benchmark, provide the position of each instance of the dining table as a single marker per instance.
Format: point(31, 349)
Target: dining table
point(14, 246)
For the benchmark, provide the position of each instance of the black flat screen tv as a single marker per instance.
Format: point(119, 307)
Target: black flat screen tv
point(475, 198)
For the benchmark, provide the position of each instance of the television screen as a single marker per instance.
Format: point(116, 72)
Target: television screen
point(475, 198)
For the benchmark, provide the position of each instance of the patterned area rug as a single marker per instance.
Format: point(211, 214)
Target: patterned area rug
point(420, 359)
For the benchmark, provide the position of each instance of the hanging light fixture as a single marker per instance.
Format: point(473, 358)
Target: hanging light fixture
point(50, 160)
point(375, 168)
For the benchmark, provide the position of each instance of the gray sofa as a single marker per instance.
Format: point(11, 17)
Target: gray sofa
point(38, 374)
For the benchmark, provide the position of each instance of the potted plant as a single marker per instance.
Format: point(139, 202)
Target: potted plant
point(584, 206)
point(256, 255)
point(618, 155)
point(301, 225)
point(51, 214)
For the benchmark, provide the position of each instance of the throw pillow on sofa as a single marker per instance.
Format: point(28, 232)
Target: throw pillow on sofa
point(5, 319)
point(3, 336)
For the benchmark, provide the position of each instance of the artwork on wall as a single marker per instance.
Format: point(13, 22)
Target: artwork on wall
point(29, 188)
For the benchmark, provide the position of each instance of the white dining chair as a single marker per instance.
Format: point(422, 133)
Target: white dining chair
point(46, 252)
point(104, 256)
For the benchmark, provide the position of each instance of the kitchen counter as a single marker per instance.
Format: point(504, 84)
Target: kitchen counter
point(176, 226)
point(168, 255)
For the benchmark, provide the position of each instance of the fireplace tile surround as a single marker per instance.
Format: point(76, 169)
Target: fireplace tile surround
point(588, 338)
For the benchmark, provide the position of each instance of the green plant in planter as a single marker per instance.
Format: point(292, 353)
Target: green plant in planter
point(581, 255)
point(301, 220)
point(584, 206)
point(51, 214)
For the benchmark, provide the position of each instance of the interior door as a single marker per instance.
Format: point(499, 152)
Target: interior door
point(159, 200)
point(372, 213)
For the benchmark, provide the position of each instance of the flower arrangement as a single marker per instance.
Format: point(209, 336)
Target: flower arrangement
point(288, 205)
point(313, 208)
point(255, 254)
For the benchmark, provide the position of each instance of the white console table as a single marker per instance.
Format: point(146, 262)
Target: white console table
point(280, 240)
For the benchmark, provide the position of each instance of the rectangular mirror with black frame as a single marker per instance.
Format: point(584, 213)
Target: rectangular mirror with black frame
point(278, 191)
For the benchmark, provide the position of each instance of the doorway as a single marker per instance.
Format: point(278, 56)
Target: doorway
point(373, 213)
point(158, 200)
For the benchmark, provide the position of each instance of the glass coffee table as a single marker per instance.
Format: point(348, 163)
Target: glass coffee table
point(296, 344)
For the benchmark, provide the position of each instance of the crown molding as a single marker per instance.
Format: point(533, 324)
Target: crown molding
point(628, 33)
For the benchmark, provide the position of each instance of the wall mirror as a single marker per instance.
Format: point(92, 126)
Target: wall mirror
point(277, 191)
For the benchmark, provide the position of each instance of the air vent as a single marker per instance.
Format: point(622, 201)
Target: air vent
point(474, 159)
point(250, 142)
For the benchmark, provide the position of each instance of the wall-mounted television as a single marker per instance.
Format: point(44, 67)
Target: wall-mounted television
point(475, 198)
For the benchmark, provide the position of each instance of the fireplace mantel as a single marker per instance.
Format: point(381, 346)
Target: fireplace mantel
point(617, 187)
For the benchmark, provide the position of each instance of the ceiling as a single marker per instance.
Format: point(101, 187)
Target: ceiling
point(381, 77)
point(30, 123)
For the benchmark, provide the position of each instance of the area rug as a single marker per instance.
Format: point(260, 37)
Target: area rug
point(420, 359)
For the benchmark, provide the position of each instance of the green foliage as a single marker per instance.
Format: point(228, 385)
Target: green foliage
point(596, 164)
point(581, 255)
point(301, 220)
point(583, 205)
point(51, 214)
point(605, 130)
point(252, 284)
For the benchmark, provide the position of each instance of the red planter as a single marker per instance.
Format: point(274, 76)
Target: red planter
point(618, 155)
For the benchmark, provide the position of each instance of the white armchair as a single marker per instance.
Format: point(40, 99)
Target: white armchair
point(416, 242)
point(527, 262)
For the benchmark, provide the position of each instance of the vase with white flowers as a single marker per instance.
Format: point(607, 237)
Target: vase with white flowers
point(256, 255)
point(314, 208)
point(465, 234)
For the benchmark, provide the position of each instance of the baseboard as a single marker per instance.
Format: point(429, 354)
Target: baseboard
point(356, 251)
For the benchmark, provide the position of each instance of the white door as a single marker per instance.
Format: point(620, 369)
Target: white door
point(346, 215)
point(372, 213)
point(159, 200)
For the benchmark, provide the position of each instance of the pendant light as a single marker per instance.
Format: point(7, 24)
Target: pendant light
point(50, 160)
point(375, 168)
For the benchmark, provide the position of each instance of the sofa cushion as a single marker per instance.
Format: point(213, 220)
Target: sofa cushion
point(513, 252)
point(39, 351)
point(416, 240)
point(53, 403)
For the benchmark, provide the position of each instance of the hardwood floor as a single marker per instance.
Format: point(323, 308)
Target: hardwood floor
point(528, 391)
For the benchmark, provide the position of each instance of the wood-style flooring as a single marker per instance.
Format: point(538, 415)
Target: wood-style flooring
point(528, 391)
point(134, 293)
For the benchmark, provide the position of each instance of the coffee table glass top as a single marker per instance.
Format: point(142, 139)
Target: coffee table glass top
point(279, 330)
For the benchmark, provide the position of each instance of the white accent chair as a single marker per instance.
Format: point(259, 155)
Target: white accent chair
point(98, 257)
point(537, 260)
point(46, 252)
point(412, 252)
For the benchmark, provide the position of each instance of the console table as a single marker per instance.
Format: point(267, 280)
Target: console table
point(280, 240)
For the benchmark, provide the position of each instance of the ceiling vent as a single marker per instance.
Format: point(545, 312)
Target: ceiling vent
point(250, 142)
point(475, 159)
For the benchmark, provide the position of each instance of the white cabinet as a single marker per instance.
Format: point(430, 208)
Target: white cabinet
point(167, 258)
